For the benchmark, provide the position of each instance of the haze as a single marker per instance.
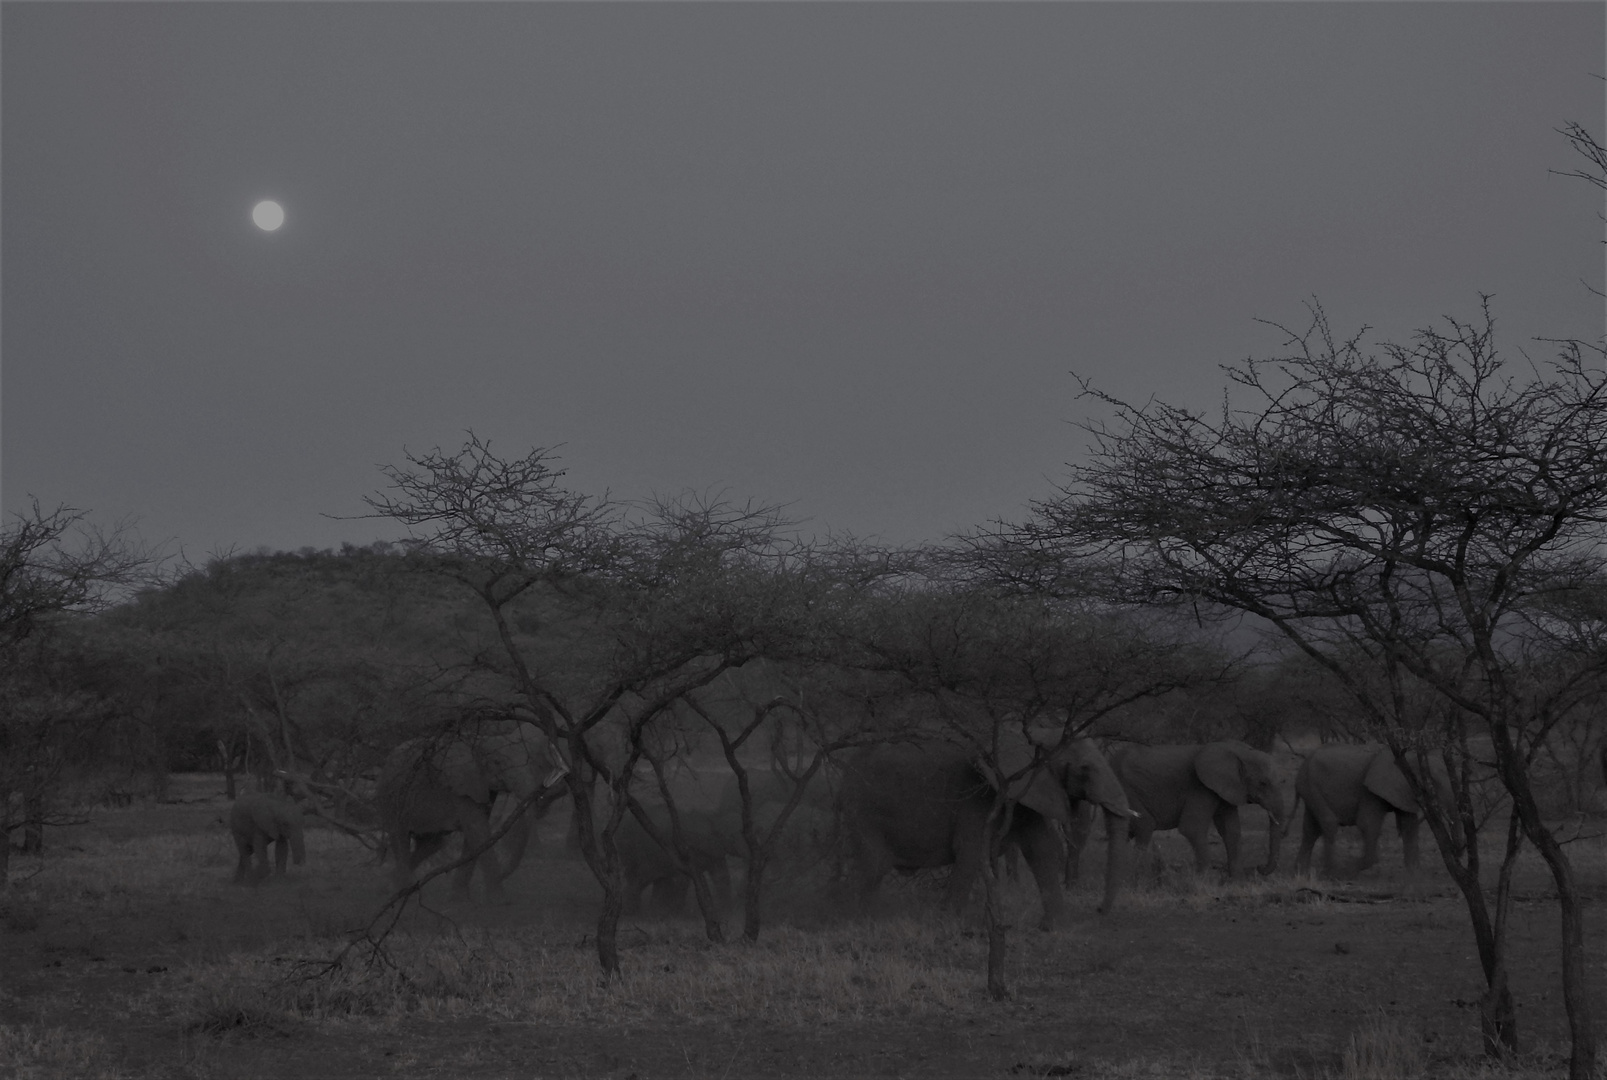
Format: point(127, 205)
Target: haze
point(838, 256)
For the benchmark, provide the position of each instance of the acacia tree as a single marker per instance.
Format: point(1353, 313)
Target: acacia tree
point(603, 617)
point(1398, 516)
point(1015, 678)
point(800, 715)
point(52, 565)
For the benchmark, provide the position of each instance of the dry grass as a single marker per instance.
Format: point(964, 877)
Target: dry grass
point(898, 968)
point(97, 870)
point(49, 1053)
point(237, 963)
point(1384, 1048)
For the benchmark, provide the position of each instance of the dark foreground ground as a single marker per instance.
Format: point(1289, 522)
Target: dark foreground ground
point(129, 954)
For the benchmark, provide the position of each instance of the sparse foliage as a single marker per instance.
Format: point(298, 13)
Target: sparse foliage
point(52, 565)
point(1402, 518)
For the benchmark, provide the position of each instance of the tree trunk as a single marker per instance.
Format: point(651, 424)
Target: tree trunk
point(752, 888)
point(612, 881)
point(33, 823)
point(705, 903)
point(608, 929)
point(1498, 1017)
point(5, 839)
point(1575, 982)
point(1575, 985)
point(998, 989)
point(1498, 1023)
point(603, 860)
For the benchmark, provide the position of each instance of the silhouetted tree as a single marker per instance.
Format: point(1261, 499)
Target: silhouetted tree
point(1400, 518)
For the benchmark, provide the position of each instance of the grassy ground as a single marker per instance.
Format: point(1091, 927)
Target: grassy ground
point(127, 953)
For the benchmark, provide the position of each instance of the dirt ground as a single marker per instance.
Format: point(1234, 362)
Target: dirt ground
point(128, 953)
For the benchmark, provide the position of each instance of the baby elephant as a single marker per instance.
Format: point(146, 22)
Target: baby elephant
point(648, 864)
point(258, 819)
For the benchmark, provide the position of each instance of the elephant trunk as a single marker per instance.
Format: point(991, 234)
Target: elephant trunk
point(515, 841)
point(1116, 826)
point(1277, 826)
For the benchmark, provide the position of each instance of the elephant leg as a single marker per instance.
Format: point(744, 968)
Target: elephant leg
point(1310, 830)
point(870, 860)
point(669, 893)
point(1370, 819)
point(1407, 825)
point(1045, 856)
point(1227, 827)
point(242, 868)
point(1142, 830)
point(281, 855)
point(259, 844)
point(631, 902)
point(1324, 821)
point(397, 845)
point(515, 842)
point(1116, 870)
point(424, 847)
point(475, 837)
point(1012, 862)
point(1199, 812)
point(971, 850)
point(1076, 840)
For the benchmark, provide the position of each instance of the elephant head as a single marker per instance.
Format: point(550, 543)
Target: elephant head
point(433, 787)
point(1240, 774)
point(1074, 772)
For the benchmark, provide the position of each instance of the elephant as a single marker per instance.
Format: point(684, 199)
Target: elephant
point(645, 863)
point(1359, 785)
point(433, 787)
point(1188, 788)
point(911, 806)
point(258, 819)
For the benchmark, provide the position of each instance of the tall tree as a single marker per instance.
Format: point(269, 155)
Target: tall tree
point(1400, 516)
point(1014, 679)
point(605, 615)
point(52, 565)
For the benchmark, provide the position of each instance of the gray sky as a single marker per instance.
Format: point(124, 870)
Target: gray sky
point(841, 256)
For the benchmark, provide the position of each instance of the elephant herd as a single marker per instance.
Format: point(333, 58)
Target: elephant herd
point(899, 806)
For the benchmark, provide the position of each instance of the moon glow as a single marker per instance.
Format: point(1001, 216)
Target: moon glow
point(268, 215)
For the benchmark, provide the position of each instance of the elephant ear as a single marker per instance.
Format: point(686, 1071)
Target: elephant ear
point(459, 769)
point(1037, 788)
point(1384, 779)
point(1220, 768)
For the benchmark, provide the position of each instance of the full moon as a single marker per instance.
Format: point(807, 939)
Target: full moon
point(268, 215)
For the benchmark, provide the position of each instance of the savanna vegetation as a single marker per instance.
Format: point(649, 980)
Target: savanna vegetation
point(598, 711)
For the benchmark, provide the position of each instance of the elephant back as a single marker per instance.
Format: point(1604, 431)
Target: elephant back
point(277, 817)
point(913, 786)
point(432, 768)
point(1385, 779)
point(1337, 775)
